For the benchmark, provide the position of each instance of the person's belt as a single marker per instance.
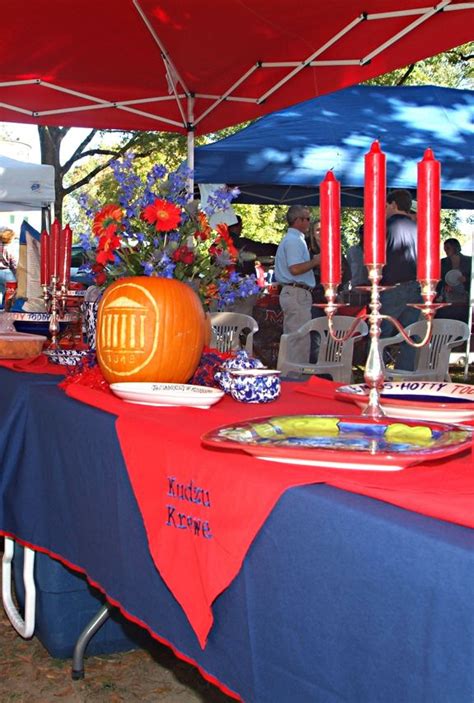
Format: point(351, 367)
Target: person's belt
point(297, 285)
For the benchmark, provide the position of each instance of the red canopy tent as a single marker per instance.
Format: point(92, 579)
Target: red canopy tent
point(184, 65)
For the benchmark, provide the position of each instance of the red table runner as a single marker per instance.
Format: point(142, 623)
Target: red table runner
point(203, 507)
point(37, 364)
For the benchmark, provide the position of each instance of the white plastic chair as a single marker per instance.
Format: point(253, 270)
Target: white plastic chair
point(229, 327)
point(334, 358)
point(432, 360)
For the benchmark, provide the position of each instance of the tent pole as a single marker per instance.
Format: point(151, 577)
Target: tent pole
point(190, 142)
point(469, 315)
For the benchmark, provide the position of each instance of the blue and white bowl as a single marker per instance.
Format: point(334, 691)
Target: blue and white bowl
point(240, 361)
point(68, 357)
point(89, 311)
point(255, 385)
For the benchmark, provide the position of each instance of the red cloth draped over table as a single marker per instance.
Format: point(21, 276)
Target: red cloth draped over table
point(202, 508)
point(37, 364)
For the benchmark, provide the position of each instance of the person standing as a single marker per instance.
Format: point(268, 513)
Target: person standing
point(455, 283)
point(294, 272)
point(399, 272)
point(8, 258)
point(313, 241)
point(355, 257)
point(249, 252)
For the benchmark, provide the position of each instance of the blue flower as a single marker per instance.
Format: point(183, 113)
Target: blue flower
point(151, 203)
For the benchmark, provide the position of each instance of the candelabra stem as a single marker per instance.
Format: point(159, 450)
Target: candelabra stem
point(373, 374)
point(54, 311)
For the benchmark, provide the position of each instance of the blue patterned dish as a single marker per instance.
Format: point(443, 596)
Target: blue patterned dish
point(241, 360)
point(255, 385)
point(68, 357)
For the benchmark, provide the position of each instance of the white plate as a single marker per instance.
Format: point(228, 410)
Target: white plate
point(420, 400)
point(453, 277)
point(167, 394)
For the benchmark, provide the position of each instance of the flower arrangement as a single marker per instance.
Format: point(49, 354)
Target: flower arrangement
point(155, 229)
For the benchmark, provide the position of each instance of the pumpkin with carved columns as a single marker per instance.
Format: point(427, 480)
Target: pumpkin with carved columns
point(150, 329)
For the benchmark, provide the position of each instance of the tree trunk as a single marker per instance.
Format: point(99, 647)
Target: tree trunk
point(50, 144)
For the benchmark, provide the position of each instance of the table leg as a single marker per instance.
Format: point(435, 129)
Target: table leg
point(84, 638)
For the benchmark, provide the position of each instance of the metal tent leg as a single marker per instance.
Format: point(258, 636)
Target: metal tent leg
point(83, 640)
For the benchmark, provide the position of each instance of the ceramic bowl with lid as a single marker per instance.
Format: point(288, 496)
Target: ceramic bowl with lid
point(255, 385)
point(240, 361)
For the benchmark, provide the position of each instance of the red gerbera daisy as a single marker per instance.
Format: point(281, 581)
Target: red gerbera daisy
point(106, 247)
point(164, 215)
point(109, 215)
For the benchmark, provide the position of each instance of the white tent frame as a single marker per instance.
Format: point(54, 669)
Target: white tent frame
point(185, 98)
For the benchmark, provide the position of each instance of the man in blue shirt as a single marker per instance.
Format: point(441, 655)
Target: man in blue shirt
point(294, 272)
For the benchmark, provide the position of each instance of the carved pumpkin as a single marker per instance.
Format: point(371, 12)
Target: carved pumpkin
point(150, 329)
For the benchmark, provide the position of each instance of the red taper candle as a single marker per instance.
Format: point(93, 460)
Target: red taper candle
point(428, 199)
point(374, 206)
point(65, 246)
point(54, 238)
point(44, 258)
point(330, 212)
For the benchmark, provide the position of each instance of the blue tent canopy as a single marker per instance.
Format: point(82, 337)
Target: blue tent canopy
point(282, 157)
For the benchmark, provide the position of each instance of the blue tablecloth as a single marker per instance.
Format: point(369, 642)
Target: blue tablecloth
point(340, 598)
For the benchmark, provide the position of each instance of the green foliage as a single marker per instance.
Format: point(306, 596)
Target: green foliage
point(266, 223)
point(452, 69)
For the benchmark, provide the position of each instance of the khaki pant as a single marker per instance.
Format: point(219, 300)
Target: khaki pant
point(296, 305)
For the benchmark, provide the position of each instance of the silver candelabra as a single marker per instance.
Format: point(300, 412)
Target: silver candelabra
point(373, 373)
point(55, 297)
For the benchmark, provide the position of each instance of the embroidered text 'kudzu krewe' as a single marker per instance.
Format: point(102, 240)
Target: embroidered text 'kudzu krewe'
point(190, 493)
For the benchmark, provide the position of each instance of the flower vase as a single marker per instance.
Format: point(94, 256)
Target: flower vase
point(90, 307)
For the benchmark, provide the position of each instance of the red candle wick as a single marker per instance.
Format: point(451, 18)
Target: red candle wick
point(375, 148)
point(329, 177)
point(429, 155)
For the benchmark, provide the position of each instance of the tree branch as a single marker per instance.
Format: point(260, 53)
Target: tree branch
point(101, 167)
point(406, 75)
point(80, 153)
point(77, 153)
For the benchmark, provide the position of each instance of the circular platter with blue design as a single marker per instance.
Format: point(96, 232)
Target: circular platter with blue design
point(341, 442)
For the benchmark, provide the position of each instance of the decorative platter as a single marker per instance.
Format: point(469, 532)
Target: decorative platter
point(167, 394)
point(424, 400)
point(36, 316)
point(36, 322)
point(341, 442)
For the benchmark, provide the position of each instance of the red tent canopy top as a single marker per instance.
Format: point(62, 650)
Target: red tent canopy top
point(175, 64)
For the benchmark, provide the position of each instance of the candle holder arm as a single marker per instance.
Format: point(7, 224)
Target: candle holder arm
point(402, 335)
point(338, 336)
